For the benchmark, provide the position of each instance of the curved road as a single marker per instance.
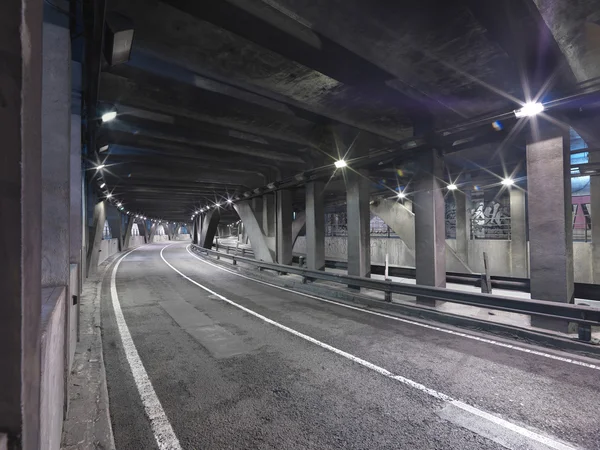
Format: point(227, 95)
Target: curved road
point(200, 358)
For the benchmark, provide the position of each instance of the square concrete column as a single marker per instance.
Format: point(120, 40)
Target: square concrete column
point(56, 149)
point(519, 257)
point(284, 227)
point(315, 226)
point(463, 226)
point(430, 225)
point(20, 243)
point(268, 221)
point(550, 222)
point(594, 158)
point(358, 214)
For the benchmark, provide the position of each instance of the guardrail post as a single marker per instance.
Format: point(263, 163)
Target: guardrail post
point(388, 296)
point(227, 250)
point(486, 281)
point(243, 251)
point(584, 332)
point(234, 261)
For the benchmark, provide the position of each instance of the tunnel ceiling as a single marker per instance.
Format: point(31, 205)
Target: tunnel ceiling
point(220, 97)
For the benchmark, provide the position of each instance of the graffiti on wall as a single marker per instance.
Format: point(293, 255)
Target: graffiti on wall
point(489, 220)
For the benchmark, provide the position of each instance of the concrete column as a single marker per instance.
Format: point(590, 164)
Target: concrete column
point(56, 149)
point(359, 223)
point(113, 216)
point(462, 226)
point(97, 229)
point(284, 227)
point(268, 221)
point(152, 233)
point(127, 238)
point(430, 226)
point(257, 207)
point(209, 227)
point(595, 213)
point(75, 169)
point(20, 241)
point(315, 226)
point(298, 224)
point(518, 233)
point(550, 222)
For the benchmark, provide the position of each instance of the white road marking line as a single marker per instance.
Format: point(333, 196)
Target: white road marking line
point(163, 432)
point(551, 443)
point(423, 325)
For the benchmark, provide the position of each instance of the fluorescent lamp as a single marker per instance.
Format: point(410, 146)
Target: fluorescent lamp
point(341, 163)
point(102, 185)
point(508, 182)
point(452, 187)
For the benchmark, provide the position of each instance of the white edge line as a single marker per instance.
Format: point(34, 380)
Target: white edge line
point(432, 392)
point(161, 427)
point(419, 324)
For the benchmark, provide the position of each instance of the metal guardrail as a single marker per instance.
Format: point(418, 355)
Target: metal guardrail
point(585, 316)
point(581, 290)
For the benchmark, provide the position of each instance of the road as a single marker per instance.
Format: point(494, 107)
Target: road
point(200, 358)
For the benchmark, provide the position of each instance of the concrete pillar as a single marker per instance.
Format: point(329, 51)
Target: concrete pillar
point(463, 226)
point(550, 222)
point(113, 216)
point(430, 225)
point(315, 226)
point(359, 223)
point(209, 227)
point(56, 149)
point(97, 229)
point(298, 224)
point(518, 233)
point(257, 207)
point(20, 241)
point(268, 221)
point(595, 215)
point(152, 233)
point(75, 169)
point(284, 227)
point(127, 238)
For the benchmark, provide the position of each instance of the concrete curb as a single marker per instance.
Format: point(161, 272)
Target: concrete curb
point(423, 314)
point(88, 425)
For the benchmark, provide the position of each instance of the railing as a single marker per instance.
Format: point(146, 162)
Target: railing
point(585, 316)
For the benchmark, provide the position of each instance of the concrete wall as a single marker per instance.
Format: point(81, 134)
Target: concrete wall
point(183, 237)
point(136, 241)
point(160, 238)
point(498, 251)
point(53, 369)
point(108, 247)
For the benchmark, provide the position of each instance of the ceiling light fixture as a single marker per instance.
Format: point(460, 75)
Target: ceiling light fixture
point(529, 110)
point(508, 182)
point(102, 185)
point(340, 164)
point(107, 117)
point(452, 187)
point(100, 166)
point(401, 194)
point(119, 204)
point(229, 201)
point(109, 195)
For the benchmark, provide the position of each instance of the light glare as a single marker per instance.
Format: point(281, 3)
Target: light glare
point(452, 187)
point(529, 110)
point(340, 164)
point(508, 182)
point(107, 117)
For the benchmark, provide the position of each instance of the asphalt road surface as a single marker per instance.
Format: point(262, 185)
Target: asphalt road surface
point(200, 358)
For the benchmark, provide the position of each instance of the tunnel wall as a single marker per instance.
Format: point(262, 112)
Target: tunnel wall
point(499, 255)
point(183, 237)
point(108, 247)
point(53, 369)
point(136, 241)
